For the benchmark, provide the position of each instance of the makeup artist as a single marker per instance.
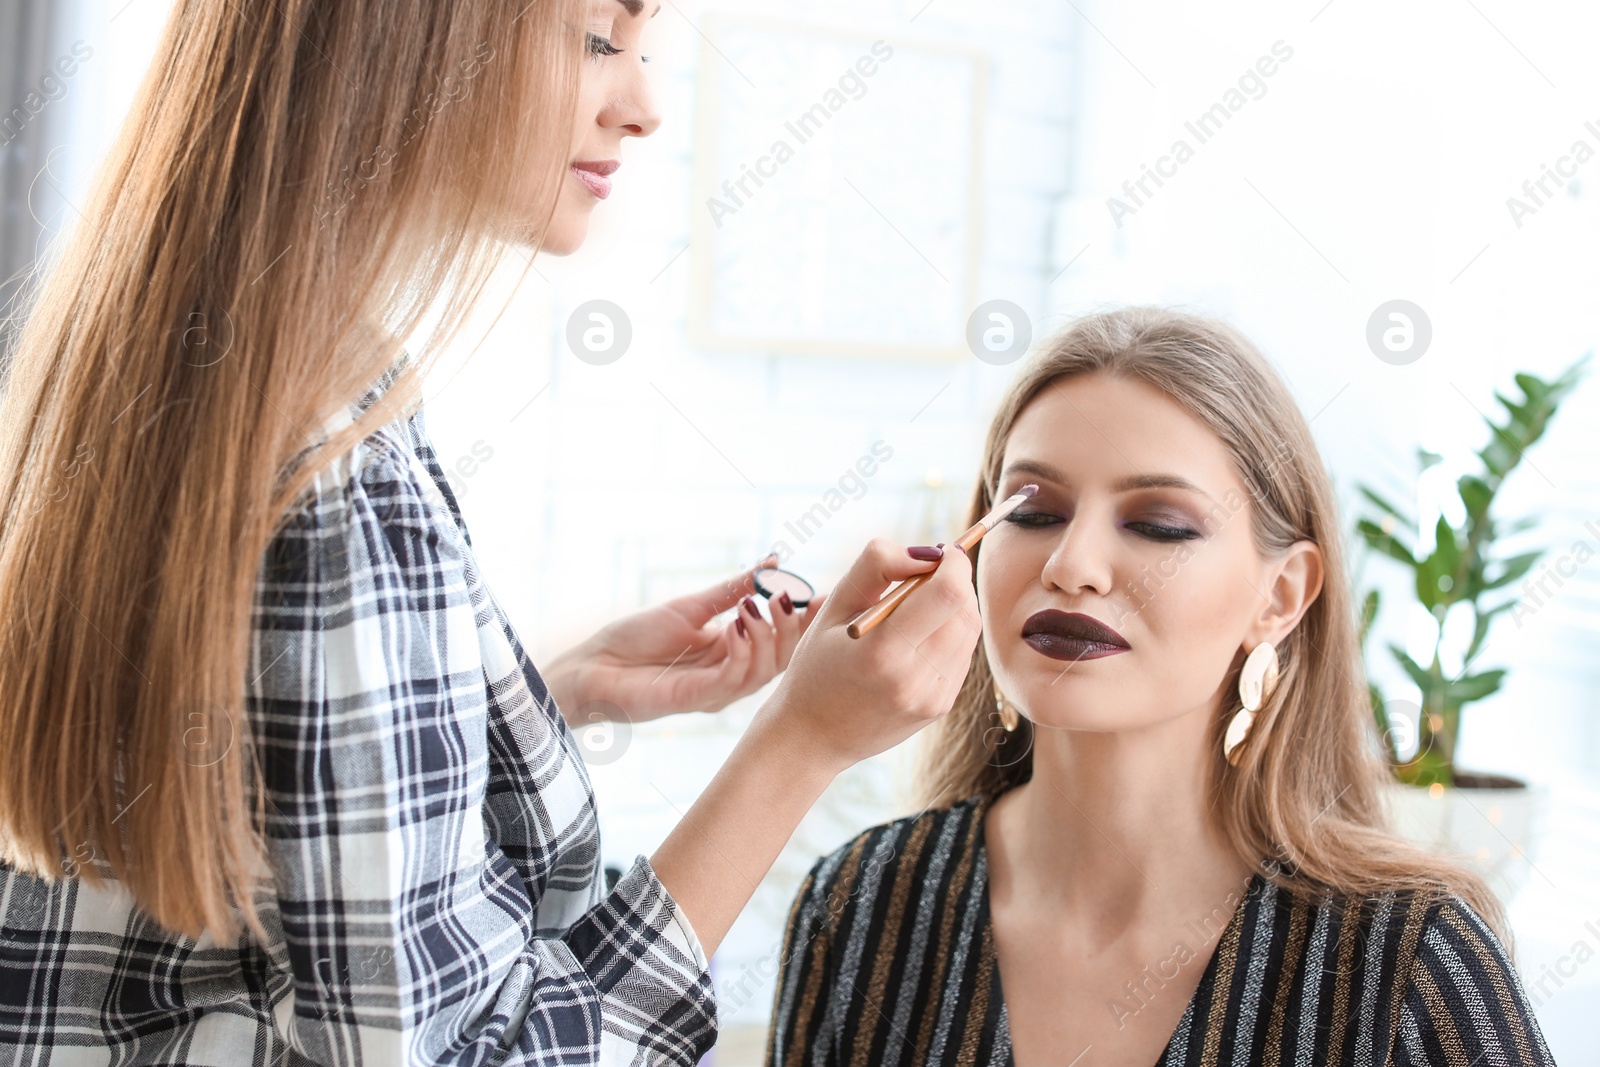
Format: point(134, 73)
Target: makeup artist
point(280, 784)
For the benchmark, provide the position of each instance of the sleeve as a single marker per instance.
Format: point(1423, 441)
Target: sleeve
point(805, 971)
point(410, 936)
point(1464, 1002)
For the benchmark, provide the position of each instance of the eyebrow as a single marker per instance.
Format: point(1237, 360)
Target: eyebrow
point(635, 6)
point(1123, 485)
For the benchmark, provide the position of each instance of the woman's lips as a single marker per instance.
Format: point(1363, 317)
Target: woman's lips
point(1071, 636)
point(1070, 648)
point(596, 176)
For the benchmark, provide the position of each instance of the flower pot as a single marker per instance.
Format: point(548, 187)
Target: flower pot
point(1489, 821)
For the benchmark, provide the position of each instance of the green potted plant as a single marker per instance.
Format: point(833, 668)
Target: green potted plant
point(1436, 802)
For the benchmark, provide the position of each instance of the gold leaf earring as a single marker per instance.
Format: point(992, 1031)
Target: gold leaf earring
point(1009, 718)
point(1257, 679)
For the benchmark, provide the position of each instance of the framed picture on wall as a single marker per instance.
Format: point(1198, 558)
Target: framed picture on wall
point(836, 191)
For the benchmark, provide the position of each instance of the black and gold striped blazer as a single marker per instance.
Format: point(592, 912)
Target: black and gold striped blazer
point(889, 960)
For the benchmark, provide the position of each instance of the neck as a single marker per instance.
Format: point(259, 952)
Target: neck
point(1117, 824)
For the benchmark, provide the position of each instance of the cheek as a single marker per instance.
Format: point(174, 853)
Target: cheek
point(591, 101)
point(1005, 567)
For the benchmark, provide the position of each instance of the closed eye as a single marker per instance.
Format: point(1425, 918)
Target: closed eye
point(1158, 532)
point(1153, 531)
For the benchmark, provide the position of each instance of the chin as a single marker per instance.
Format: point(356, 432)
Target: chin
point(565, 235)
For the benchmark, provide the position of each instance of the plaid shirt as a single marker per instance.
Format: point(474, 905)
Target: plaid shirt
point(437, 894)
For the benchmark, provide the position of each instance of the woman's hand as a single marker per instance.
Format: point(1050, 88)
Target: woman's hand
point(670, 658)
point(841, 701)
point(844, 699)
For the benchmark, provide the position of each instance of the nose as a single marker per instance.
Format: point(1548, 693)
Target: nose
point(632, 107)
point(1081, 559)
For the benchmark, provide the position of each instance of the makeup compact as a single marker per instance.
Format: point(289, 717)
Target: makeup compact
point(771, 583)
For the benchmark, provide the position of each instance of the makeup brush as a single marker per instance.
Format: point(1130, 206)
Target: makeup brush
point(883, 608)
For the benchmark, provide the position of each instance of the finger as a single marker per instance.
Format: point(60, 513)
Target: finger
point(706, 604)
point(949, 650)
point(880, 564)
point(733, 670)
point(947, 594)
point(788, 623)
point(763, 647)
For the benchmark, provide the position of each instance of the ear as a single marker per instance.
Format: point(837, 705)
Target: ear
point(1292, 581)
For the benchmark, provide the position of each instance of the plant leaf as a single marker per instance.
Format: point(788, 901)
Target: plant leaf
point(1473, 687)
point(1425, 681)
point(1513, 568)
point(1385, 543)
point(1405, 521)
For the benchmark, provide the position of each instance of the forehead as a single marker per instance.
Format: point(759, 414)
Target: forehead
point(1097, 428)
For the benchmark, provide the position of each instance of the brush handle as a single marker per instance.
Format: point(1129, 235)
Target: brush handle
point(885, 607)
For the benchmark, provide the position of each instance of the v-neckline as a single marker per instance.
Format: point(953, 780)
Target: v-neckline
point(1230, 934)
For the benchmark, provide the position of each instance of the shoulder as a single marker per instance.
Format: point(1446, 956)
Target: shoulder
point(1454, 938)
point(371, 555)
point(1464, 996)
point(935, 850)
point(384, 483)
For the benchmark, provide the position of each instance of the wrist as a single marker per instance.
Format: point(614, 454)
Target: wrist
point(796, 748)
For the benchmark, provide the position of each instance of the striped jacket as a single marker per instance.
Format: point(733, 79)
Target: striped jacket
point(889, 959)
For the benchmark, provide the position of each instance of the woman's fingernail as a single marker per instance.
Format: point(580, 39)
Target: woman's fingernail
point(786, 602)
point(926, 553)
point(749, 605)
point(738, 624)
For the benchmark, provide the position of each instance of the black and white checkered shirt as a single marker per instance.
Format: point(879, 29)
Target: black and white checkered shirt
point(437, 894)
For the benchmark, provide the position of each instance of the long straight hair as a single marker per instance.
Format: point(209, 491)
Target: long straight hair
point(299, 186)
point(1304, 804)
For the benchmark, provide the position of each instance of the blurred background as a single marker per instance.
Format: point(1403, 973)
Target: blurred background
point(851, 224)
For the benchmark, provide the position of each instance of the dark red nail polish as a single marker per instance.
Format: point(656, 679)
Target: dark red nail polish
point(926, 553)
point(749, 605)
point(786, 602)
point(738, 624)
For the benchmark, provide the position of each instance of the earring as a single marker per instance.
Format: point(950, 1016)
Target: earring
point(1257, 679)
point(1006, 710)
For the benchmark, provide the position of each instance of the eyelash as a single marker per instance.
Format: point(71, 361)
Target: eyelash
point(1166, 533)
point(601, 46)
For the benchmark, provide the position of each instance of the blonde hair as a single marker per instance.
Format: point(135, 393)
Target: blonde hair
point(298, 183)
point(1304, 802)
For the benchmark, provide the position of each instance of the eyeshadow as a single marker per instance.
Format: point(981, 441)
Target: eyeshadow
point(771, 582)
